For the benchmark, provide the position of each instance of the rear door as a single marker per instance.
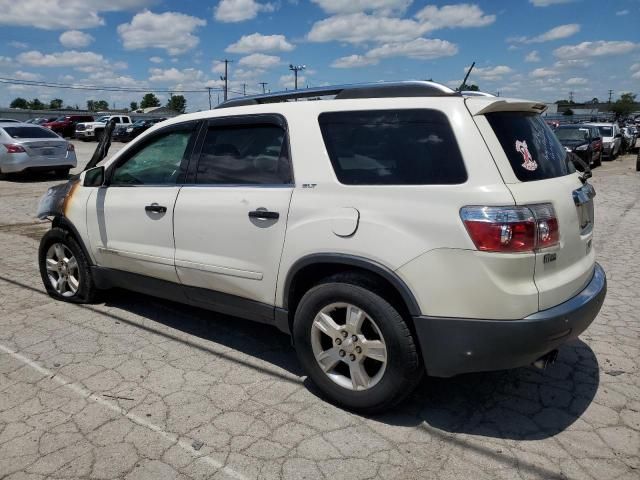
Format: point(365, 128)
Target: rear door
point(537, 169)
point(230, 222)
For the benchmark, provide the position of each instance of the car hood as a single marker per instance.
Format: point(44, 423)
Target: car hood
point(573, 143)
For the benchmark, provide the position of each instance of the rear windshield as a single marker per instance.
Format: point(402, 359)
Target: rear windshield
point(606, 131)
point(29, 132)
point(392, 147)
point(572, 133)
point(530, 145)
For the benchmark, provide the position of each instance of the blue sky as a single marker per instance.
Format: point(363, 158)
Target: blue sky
point(540, 49)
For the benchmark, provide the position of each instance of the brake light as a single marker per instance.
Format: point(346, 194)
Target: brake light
point(13, 148)
point(70, 147)
point(511, 229)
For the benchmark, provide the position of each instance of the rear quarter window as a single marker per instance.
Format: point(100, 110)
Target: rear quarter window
point(532, 148)
point(392, 147)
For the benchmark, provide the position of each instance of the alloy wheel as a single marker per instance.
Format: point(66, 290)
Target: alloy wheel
point(62, 270)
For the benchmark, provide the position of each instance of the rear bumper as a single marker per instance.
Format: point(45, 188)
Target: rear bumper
point(451, 346)
point(21, 162)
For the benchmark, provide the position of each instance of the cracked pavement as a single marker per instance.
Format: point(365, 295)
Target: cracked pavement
point(141, 388)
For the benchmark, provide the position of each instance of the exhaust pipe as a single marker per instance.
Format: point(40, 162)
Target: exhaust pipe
point(546, 360)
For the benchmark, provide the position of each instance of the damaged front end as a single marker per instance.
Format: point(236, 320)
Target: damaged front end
point(54, 203)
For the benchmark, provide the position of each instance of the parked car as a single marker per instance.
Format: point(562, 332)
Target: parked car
point(628, 138)
point(93, 130)
point(66, 124)
point(41, 120)
point(582, 140)
point(126, 133)
point(8, 120)
point(394, 229)
point(28, 147)
point(611, 139)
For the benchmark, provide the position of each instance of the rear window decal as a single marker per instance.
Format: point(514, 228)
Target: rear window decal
point(528, 162)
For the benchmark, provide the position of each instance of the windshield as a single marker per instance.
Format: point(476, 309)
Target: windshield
point(60, 119)
point(139, 123)
point(29, 132)
point(572, 133)
point(533, 150)
point(606, 131)
point(102, 119)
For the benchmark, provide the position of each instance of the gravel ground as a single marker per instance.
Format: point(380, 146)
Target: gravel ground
point(137, 387)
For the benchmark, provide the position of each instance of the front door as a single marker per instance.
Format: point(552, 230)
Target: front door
point(231, 222)
point(131, 227)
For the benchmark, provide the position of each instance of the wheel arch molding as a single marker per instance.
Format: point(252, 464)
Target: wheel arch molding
point(344, 261)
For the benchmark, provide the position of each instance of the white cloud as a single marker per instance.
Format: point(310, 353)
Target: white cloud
point(635, 67)
point(463, 15)
point(19, 74)
point(68, 58)
point(240, 10)
point(18, 45)
point(75, 39)
point(490, 73)
point(420, 48)
point(594, 49)
point(532, 57)
point(620, 13)
point(257, 42)
point(546, 3)
point(173, 75)
point(62, 14)
point(218, 67)
point(577, 81)
point(556, 33)
point(156, 59)
point(288, 81)
point(259, 61)
point(354, 61)
point(573, 64)
point(362, 27)
point(636, 75)
point(171, 31)
point(542, 73)
point(354, 6)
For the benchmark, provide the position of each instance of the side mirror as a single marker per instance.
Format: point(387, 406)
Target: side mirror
point(94, 177)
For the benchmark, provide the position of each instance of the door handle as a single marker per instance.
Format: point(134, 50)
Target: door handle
point(155, 208)
point(263, 214)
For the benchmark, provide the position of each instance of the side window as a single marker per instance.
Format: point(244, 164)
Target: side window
point(158, 162)
point(392, 147)
point(244, 155)
point(116, 119)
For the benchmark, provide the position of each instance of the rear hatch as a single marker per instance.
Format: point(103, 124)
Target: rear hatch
point(537, 169)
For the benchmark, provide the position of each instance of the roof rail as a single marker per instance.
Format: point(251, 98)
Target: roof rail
point(475, 93)
point(412, 88)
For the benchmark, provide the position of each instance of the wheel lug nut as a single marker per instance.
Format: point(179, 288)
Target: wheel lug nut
point(358, 350)
point(338, 341)
point(352, 356)
point(354, 338)
point(342, 353)
point(345, 334)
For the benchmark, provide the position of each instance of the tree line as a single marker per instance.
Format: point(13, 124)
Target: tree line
point(176, 102)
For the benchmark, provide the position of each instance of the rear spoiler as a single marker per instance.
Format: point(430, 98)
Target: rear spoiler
point(484, 105)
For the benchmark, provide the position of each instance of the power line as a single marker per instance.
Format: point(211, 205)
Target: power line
point(107, 88)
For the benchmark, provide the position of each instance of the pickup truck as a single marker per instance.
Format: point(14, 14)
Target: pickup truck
point(93, 130)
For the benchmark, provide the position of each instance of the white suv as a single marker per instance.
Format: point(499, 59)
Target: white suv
point(392, 229)
point(93, 130)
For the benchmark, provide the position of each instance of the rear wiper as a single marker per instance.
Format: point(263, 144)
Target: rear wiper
point(586, 169)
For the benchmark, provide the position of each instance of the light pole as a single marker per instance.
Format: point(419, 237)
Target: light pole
point(264, 84)
point(226, 64)
point(295, 69)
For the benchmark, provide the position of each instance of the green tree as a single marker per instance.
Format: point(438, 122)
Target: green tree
point(149, 100)
point(177, 103)
point(134, 106)
point(91, 105)
point(568, 112)
point(36, 104)
point(101, 105)
point(625, 105)
point(19, 103)
point(56, 104)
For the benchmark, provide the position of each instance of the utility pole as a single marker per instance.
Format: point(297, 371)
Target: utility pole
point(209, 89)
point(264, 84)
point(610, 93)
point(244, 89)
point(295, 69)
point(225, 78)
point(571, 97)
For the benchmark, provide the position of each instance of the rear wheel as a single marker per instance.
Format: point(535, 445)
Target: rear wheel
point(62, 172)
point(64, 268)
point(356, 347)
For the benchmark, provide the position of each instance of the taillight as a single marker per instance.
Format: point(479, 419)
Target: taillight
point(13, 148)
point(70, 147)
point(511, 229)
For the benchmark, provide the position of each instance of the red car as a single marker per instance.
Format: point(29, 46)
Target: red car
point(65, 126)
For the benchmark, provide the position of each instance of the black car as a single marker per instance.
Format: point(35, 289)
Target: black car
point(126, 133)
point(582, 140)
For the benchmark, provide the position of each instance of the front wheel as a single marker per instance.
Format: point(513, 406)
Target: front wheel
point(64, 268)
point(355, 347)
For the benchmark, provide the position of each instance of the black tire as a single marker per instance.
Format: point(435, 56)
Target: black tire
point(598, 162)
point(403, 369)
point(638, 162)
point(62, 172)
point(86, 292)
